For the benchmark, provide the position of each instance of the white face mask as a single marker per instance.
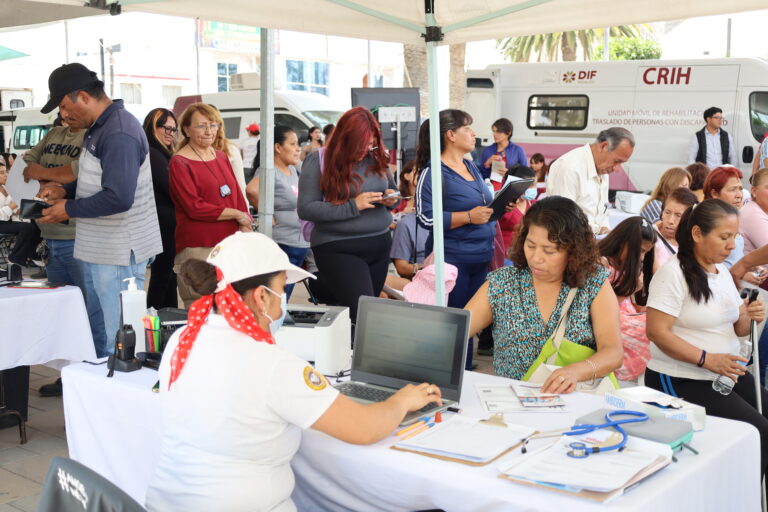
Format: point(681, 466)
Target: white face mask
point(275, 324)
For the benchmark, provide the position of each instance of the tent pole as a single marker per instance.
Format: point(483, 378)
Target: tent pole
point(267, 121)
point(432, 38)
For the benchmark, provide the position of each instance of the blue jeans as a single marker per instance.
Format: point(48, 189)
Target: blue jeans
point(107, 282)
point(296, 256)
point(62, 267)
point(470, 278)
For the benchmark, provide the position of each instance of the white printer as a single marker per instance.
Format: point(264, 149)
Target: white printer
point(630, 202)
point(321, 334)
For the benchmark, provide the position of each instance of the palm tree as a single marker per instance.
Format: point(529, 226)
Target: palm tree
point(415, 59)
point(548, 46)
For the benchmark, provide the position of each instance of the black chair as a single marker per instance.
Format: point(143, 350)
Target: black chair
point(69, 486)
point(6, 243)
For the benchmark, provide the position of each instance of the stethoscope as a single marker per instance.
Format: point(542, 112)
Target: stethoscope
point(579, 450)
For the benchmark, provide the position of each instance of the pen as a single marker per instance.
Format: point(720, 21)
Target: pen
point(419, 430)
point(411, 427)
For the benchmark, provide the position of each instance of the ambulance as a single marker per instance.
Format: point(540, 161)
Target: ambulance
point(555, 107)
point(241, 106)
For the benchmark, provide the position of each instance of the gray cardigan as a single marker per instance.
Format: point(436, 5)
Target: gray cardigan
point(341, 221)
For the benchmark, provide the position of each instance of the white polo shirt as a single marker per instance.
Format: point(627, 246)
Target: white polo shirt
point(706, 325)
point(232, 422)
point(574, 176)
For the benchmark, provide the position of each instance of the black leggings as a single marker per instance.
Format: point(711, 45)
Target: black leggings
point(354, 267)
point(162, 291)
point(740, 405)
point(27, 238)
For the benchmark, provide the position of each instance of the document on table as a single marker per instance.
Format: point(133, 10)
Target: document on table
point(530, 395)
point(602, 472)
point(460, 437)
point(503, 399)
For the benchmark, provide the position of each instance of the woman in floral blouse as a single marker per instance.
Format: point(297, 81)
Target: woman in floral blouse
point(554, 252)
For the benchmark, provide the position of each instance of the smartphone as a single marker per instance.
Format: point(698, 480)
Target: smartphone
point(390, 196)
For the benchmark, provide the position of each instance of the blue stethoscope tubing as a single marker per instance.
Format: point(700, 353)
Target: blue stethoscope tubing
point(580, 450)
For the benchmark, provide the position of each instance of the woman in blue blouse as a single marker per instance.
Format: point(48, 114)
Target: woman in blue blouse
point(502, 149)
point(467, 230)
point(554, 252)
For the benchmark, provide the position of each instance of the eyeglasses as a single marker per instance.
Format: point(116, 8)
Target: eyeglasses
point(204, 127)
point(171, 129)
point(717, 117)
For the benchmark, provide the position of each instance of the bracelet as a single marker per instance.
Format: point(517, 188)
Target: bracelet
point(594, 370)
point(469, 214)
point(702, 358)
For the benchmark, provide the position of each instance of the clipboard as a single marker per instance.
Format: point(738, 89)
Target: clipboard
point(460, 461)
point(509, 193)
point(598, 496)
point(461, 425)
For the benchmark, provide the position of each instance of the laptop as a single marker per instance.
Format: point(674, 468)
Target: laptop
point(399, 343)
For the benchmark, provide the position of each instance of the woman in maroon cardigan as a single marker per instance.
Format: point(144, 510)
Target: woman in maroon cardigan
point(205, 193)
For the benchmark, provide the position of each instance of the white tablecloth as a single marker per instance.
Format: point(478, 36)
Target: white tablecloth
point(43, 327)
point(615, 216)
point(120, 439)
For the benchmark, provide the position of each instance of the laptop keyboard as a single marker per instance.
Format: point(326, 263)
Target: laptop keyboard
point(353, 390)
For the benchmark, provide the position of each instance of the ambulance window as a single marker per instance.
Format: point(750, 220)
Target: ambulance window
point(558, 112)
point(292, 122)
point(758, 114)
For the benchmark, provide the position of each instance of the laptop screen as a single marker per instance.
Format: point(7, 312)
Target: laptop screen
point(399, 342)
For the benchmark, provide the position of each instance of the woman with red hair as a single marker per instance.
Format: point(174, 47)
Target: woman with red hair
point(724, 183)
point(345, 195)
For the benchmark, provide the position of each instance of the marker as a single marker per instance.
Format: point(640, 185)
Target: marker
point(419, 430)
point(438, 417)
point(411, 427)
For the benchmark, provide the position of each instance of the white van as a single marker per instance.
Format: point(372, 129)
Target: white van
point(240, 107)
point(555, 107)
point(23, 128)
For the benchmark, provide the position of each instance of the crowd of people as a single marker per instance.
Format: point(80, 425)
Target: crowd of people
point(651, 298)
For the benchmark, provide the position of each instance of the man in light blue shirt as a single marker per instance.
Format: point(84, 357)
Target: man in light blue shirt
point(712, 145)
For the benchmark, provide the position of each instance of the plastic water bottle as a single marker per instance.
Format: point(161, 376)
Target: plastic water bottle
point(724, 385)
point(134, 304)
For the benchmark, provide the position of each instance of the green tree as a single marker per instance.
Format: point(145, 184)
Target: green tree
point(560, 45)
point(630, 48)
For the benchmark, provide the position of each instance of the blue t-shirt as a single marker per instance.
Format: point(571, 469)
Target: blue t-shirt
point(409, 240)
point(470, 243)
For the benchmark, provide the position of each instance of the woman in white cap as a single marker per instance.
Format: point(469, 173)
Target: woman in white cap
point(234, 404)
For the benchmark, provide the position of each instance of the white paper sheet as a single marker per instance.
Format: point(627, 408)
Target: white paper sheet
point(466, 438)
point(503, 399)
point(602, 472)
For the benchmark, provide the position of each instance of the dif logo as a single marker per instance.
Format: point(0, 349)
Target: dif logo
point(579, 76)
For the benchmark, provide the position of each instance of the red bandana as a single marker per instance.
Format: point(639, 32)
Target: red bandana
point(234, 309)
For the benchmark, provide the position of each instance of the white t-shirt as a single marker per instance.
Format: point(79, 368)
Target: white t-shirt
point(249, 146)
point(232, 422)
point(706, 325)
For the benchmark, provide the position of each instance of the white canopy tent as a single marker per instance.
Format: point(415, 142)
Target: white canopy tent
point(410, 21)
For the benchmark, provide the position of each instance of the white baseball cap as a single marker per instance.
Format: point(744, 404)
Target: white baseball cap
point(245, 255)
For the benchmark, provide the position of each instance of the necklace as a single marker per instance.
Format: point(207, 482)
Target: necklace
point(224, 189)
